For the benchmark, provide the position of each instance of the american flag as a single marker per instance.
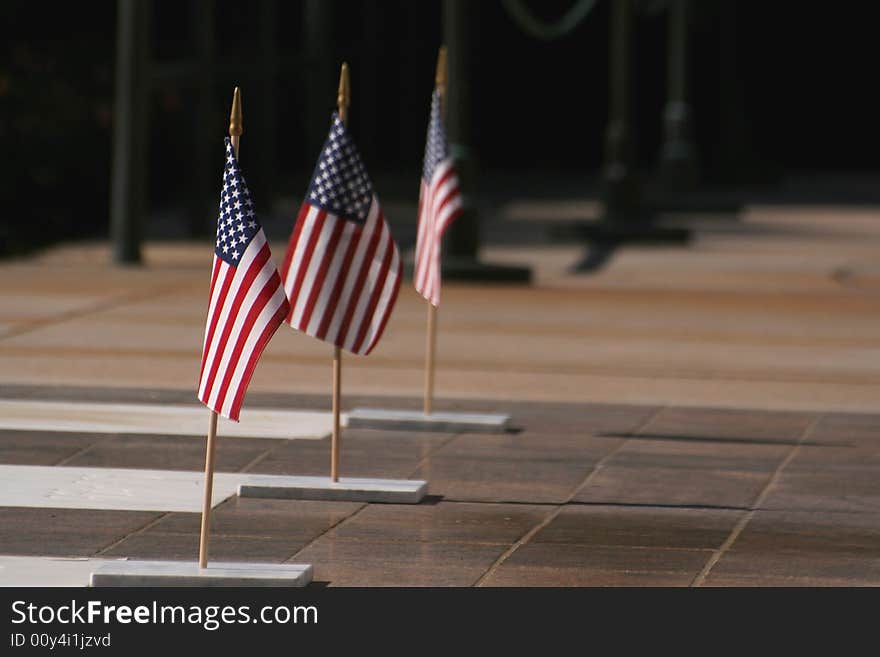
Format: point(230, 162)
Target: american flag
point(247, 302)
point(342, 269)
point(439, 205)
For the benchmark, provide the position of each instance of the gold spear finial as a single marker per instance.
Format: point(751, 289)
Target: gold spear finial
point(440, 78)
point(235, 125)
point(343, 98)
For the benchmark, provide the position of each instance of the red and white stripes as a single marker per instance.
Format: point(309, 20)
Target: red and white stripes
point(247, 304)
point(439, 205)
point(342, 277)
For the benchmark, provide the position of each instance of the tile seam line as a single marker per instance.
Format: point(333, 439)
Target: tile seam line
point(136, 532)
point(552, 515)
point(617, 505)
point(364, 505)
point(433, 451)
point(320, 535)
point(713, 374)
point(259, 458)
point(97, 307)
point(148, 525)
point(84, 450)
point(489, 543)
point(12, 392)
point(739, 527)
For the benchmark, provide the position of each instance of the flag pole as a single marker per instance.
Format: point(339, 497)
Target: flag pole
point(343, 99)
point(235, 129)
point(431, 336)
point(209, 487)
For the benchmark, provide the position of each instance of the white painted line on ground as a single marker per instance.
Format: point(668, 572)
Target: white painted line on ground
point(47, 571)
point(164, 419)
point(116, 489)
point(129, 489)
point(71, 572)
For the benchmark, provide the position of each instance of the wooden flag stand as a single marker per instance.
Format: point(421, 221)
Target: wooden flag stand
point(209, 489)
point(343, 100)
point(398, 491)
point(431, 337)
point(186, 573)
point(428, 420)
point(235, 130)
point(430, 346)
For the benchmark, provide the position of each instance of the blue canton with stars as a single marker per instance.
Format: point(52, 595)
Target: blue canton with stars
point(237, 223)
point(340, 184)
point(436, 149)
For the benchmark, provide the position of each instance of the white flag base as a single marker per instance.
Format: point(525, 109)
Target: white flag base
point(188, 573)
point(347, 489)
point(448, 422)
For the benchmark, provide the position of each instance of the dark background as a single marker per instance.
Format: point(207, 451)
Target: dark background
point(778, 90)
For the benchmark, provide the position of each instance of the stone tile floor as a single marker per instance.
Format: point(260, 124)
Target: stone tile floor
point(596, 495)
point(693, 414)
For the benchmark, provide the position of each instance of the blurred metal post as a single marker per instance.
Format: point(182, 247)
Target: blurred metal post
point(678, 165)
point(318, 71)
point(462, 238)
point(206, 146)
point(266, 129)
point(130, 114)
point(619, 195)
point(736, 160)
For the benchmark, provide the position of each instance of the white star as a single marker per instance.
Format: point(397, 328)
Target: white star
point(235, 255)
point(252, 224)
